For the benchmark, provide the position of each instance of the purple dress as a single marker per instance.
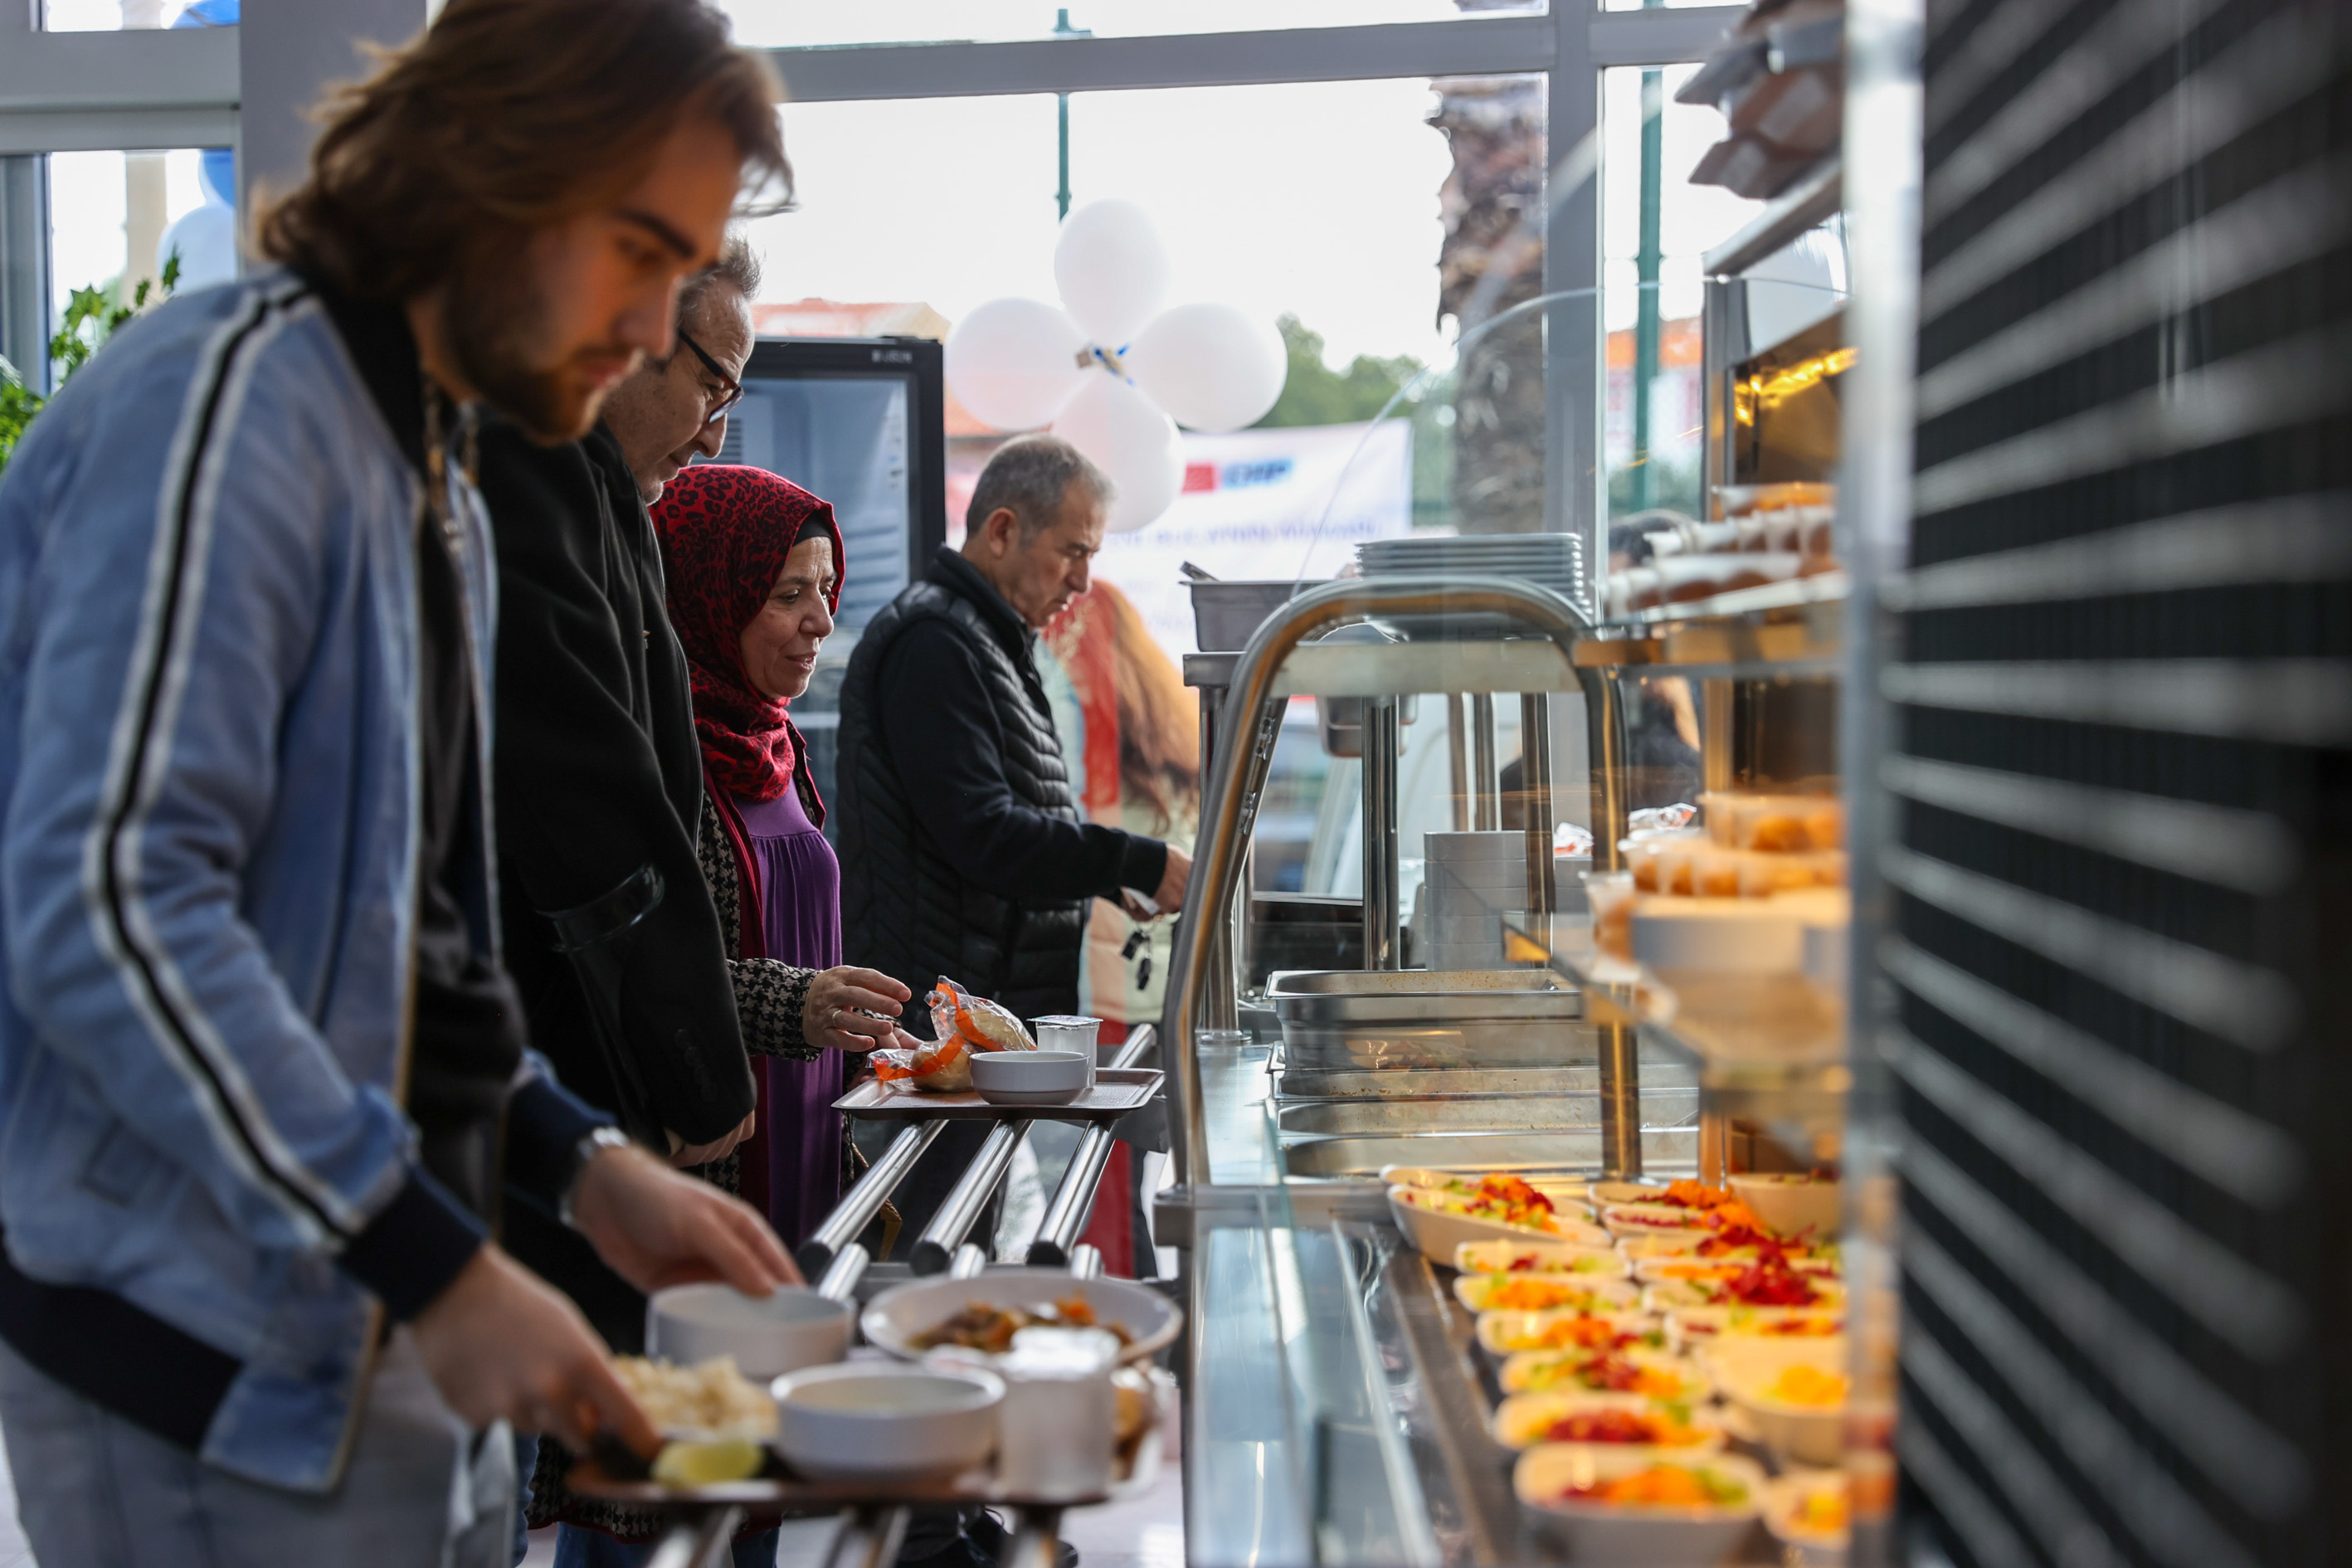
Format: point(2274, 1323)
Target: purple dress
point(799, 903)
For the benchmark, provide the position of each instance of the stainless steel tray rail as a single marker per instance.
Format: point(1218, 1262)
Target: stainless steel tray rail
point(1238, 772)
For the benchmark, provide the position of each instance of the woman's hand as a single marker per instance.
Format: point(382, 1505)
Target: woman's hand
point(655, 1228)
point(854, 1010)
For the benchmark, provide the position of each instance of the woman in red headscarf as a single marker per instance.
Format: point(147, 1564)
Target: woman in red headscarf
point(754, 567)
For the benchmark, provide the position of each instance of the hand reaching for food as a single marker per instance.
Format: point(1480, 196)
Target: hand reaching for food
point(851, 1009)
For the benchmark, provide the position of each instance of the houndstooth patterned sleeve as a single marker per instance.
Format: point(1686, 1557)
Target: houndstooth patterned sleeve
point(770, 995)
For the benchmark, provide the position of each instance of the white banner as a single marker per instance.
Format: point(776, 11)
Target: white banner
point(1264, 504)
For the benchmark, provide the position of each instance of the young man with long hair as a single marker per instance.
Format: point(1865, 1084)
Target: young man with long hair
point(265, 1082)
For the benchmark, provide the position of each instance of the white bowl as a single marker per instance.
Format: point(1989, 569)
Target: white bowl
point(880, 1421)
point(1745, 1369)
point(1783, 1500)
point(1030, 1077)
point(1540, 1259)
point(1579, 1292)
point(899, 1316)
point(1788, 1204)
point(767, 1336)
point(1521, 1419)
point(1437, 1233)
point(1522, 1370)
point(1619, 1533)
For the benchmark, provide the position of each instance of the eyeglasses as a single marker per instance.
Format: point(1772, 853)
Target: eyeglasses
point(730, 391)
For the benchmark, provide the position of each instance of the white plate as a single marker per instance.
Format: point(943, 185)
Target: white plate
point(1574, 1292)
point(1688, 1328)
point(898, 1315)
point(1626, 1221)
point(1521, 1419)
point(1437, 1232)
point(1501, 1333)
point(1522, 1368)
point(1674, 1295)
point(1539, 1258)
point(1686, 1266)
point(1619, 1533)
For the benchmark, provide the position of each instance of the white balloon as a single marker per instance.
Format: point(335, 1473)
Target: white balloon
point(1211, 366)
point(1111, 268)
point(206, 238)
point(1014, 363)
point(1126, 436)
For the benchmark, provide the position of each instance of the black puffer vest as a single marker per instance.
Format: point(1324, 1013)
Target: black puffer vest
point(904, 910)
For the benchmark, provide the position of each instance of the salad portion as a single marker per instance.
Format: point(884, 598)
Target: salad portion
point(1664, 1486)
point(1613, 1369)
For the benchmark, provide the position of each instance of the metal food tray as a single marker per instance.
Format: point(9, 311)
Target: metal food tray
point(1390, 1020)
point(1116, 1093)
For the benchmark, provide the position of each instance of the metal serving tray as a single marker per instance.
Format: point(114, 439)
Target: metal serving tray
point(1664, 1150)
point(1356, 1020)
point(1474, 1114)
point(1438, 1082)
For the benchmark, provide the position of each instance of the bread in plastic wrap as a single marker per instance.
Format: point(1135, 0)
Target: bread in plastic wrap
point(961, 1024)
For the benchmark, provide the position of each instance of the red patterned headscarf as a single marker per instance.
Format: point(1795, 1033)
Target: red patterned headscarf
point(725, 533)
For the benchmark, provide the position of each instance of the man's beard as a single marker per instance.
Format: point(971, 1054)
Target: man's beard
point(497, 325)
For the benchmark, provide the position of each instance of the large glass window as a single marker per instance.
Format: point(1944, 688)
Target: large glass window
point(112, 217)
point(114, 15)
point(1329, 206)
point(1689, 220)
point(801, 22)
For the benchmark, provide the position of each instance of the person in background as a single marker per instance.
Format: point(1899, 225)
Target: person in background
point(1128, 701)
point(961, 850)
point(617, 950)
point(755, 574)
point(265, 1083)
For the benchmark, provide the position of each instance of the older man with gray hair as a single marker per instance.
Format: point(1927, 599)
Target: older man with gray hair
point(962, 853)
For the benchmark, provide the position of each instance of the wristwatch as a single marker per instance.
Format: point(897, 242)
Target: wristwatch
point(595, 1143)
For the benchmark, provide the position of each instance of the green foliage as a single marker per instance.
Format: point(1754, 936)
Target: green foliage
point(1318, 394)
point(92, 316)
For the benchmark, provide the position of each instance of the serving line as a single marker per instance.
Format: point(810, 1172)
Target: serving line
point(871, 1530)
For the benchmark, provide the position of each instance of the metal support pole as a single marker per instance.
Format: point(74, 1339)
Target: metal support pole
point(1714, 1147)
point(697, 1541)
point(1085, 1261)
point(1535, 794)
point(1220, 1008)
point(869, 1537)
point(863, 1201)
point(971, 1262)
point(1485, 783)
point(1645, 305)
point(1380, 911)
point(961, 1212)
point(1718, 754)
point(24, 267)
point(1605, 745)
point(849, 1266)
point(1621, 1103)
point(1457, 761)
point(1035, 1534)
point(1230, 793)
point(1074, 1198)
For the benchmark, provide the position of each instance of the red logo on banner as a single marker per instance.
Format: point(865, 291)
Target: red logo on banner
point(1200, 477)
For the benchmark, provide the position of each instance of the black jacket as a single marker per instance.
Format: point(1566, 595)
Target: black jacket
point(598, 777)
point(961, 851)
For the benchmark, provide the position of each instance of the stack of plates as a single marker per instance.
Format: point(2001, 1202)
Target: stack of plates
point(1552, 560)
point(1469, 882)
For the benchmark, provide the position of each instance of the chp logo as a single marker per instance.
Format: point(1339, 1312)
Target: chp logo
point(1253, 475)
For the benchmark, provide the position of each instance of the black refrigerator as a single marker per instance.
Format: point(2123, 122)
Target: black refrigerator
point(859, 422)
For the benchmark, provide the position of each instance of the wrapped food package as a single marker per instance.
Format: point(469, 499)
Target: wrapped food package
point(961, 1024)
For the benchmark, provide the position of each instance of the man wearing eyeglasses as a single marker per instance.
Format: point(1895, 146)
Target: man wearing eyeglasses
point(673, 411)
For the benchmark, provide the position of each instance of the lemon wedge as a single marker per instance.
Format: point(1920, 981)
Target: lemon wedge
point(707, 1464)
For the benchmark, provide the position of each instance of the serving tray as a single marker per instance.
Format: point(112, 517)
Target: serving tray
point(1116, 1092)
point(784, 1489)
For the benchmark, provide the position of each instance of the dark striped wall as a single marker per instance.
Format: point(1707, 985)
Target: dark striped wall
point(2120, 787)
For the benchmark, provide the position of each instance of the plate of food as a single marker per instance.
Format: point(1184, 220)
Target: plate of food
point(1686, 1195)
point(1792, 1392)
point(1539, 1258)
point(1565, 1192)
point(1627, 1504)
point(1491, 1208)
point(1768, 1280)
point(983, 1314)
point(1809, 1513)
point(1691, 1266)
point(715, 1423)
point(1652, 1374)
point(1501, 1333)
point(1543, 1292)
point(1580, 1416)
point(1688, 1328)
